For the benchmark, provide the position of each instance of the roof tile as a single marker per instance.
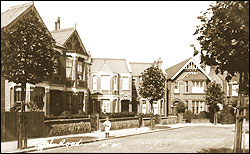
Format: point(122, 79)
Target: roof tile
point(138, 68)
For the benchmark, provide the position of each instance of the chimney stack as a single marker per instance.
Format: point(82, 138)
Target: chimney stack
point(58, 23)
point(55, 25)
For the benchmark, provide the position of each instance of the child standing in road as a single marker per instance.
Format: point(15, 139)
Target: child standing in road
point(107, 125)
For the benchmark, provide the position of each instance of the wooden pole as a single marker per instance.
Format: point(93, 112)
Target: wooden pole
point(238, 123)
point(244, 122)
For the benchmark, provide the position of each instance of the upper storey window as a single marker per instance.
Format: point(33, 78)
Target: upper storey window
point(125, 83)
point(105, 82)
point(69, 65)
point(176, 87)
point(198, 87)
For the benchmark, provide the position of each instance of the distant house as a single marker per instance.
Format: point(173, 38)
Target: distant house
point(75, 95)
point(143, 105)
point(41, 93)
point(110, 85)
point(186, 82)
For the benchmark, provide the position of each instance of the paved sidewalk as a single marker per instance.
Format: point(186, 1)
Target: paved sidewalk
point(43, 143)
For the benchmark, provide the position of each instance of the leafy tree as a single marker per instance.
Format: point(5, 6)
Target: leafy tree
point(214, 96)
point(27, 54)
point(153, 85)
point(224, 39)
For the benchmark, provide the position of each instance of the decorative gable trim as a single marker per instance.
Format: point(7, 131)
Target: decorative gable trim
point(79, 39)
point(191, 64)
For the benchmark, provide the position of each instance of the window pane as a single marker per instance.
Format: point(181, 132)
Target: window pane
point(94, 83)
point(68, 72)
point(79, 67)
point(68, 63)
point(105, 82)
point(201, 84)
point(125, 83)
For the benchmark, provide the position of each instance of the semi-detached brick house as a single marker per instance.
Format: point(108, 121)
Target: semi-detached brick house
point(110, 85)
point(75, 95)
point(186, 82)
point(68, 90)
point(39, 93)
point(143, 104)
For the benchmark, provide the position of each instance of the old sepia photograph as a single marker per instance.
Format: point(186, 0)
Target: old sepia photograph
point(124, 76)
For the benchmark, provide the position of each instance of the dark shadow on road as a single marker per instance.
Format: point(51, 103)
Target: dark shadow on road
point(162, 127)
point(219, 150)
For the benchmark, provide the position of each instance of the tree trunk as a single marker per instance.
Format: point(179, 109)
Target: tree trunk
point(215, 116)
point(22, 130)
point(151, 116)
point(238, 123)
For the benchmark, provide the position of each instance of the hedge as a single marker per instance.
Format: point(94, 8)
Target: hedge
point(69, 128)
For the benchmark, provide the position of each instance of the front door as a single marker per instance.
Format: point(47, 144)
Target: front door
point(125, 105)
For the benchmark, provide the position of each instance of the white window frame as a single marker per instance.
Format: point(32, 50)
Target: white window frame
point(105, 83)
point(105, 106)
point(69, 68)
point(94, 82)
point(125, 85)
point(197, 86)
point(115, 79)
point(80, 70)
point(186, 87)
point(177, 90)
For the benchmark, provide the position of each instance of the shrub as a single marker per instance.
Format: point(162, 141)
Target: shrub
point(188, 115)
point(117, 115)
point(226, 116)
point(181, 107)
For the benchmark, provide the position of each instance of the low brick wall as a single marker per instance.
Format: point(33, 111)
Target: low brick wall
point(121, 123)
point(67, 126)
point(200, 120)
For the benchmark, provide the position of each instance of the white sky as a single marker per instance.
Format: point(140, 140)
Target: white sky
point(140, 31)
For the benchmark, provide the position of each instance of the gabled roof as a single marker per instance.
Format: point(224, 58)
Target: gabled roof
point(175, 70)
point(171, 71)
point(112, 65)
point(62, 35)
point(105, 68)
point(138, 68)
point(12, 15)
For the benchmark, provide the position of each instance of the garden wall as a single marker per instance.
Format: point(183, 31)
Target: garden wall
point(200, 120)
point(120, 123)
point(169, 120)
